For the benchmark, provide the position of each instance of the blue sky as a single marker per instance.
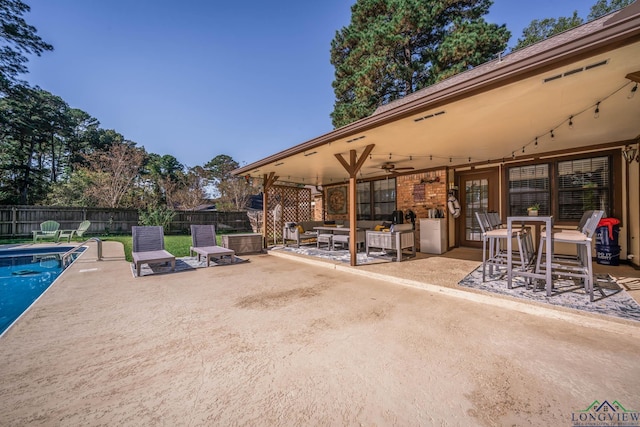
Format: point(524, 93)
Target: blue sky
point(200, 78)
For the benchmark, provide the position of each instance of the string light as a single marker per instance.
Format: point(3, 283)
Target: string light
point(523, 149)
point(552, 135)
point(536, 143)
point(571, 122)
point(633, 91)
point(596, 113)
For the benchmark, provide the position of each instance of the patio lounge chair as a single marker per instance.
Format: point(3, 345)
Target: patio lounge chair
point(148, 247)
point(203, 239)
point(68, 234)
point(48, 230)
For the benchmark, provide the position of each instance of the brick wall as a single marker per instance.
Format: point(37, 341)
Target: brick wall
point(421, 192)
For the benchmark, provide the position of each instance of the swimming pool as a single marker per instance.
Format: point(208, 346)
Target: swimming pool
point(25, 274)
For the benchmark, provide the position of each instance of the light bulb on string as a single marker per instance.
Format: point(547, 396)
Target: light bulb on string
point(633, 91)
point(536, 143)
point(596, 113)
point(571, 122)
point(523, 149)
point(552, 135)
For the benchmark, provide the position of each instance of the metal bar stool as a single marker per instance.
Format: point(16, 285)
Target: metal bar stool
point(492, 239)
point(341, 239)
point(580, 266)
point(324, 238)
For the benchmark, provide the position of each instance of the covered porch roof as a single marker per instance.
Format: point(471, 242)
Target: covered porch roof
point(537, 100)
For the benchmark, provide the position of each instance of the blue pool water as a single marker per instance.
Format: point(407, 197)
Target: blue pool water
point(24, 275)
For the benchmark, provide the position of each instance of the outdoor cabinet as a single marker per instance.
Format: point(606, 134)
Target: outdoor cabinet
point(433, 235)
point(243, 243)
point(396, 241)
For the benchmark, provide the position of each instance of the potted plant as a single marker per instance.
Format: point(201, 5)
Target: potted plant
point(533, 209)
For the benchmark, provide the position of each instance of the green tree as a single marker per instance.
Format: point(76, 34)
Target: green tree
point(82, 138)
point(219, 170)
point(232, 191)
point(392, 48)
point(74, 191)
point(17, 39)
point(539, 30)
point(31, 124)
point(602, 7)
point(161, 173)
point(542, 29)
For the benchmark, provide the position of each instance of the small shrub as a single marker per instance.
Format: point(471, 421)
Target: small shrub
point(160, 215)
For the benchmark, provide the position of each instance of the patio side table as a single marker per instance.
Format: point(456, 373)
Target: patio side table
point(547, 276)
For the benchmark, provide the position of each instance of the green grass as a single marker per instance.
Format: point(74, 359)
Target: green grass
point(177, 245)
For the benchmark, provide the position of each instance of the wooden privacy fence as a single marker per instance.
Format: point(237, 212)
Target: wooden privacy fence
point(19, 221)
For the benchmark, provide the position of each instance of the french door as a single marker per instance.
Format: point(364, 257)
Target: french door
point(478, 192)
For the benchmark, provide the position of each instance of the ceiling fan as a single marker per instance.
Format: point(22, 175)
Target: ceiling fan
point(391, 167)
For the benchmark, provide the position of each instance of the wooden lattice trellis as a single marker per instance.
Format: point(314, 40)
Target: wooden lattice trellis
point(290, 204)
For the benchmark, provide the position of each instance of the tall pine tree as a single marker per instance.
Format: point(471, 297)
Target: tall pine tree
point(393, 48)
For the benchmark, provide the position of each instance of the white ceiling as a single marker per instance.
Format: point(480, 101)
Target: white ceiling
point(491, 125)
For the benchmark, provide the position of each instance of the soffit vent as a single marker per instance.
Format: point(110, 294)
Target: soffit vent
point(429, 116)
point(576, 71)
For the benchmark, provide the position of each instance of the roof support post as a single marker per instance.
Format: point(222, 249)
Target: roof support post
point(353, 167)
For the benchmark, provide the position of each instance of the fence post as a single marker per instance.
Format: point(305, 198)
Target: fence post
point(14, 221)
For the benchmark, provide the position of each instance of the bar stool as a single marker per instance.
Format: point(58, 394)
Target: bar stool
point(492, 239)
point(324, 238)
point(580, 266)
point(341, 239)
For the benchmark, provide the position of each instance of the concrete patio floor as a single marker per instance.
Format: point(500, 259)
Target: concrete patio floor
point(277, 342)
point(442, 273)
